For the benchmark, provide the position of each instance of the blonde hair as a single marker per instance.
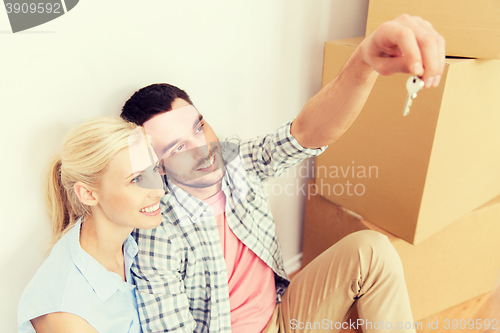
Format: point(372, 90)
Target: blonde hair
point(87, 151)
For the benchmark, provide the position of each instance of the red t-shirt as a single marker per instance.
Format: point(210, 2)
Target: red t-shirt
point(252, 292)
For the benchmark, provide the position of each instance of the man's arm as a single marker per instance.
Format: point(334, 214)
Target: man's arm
point(271, 155)
point(161, 298)
point(405, 45)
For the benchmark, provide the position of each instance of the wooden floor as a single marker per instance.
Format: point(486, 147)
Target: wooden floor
point(476, 308)
point(483, 307)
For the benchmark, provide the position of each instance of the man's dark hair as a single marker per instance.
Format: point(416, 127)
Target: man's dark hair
point(150, 101)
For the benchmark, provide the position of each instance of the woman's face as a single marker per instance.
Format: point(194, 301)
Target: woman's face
point(131, 188)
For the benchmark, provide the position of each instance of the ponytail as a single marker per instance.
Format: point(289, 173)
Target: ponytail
point(55, 197)
point(62, 212)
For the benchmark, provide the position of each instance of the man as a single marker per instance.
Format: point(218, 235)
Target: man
point(215, 265)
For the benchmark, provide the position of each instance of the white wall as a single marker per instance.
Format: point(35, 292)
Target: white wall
point(249, 66)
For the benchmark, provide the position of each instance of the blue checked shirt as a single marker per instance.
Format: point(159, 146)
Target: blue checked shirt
point(180, 272)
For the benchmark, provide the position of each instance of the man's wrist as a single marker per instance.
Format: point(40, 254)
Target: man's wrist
point(358, 65)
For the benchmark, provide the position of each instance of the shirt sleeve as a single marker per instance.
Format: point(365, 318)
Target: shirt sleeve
point(270, 155)
point(162, 302)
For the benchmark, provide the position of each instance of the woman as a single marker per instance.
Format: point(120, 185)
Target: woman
point(104, 184)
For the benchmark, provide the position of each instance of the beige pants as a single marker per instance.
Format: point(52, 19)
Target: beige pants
point(363, 266)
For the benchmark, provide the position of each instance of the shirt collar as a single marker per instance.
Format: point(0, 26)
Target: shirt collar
point(191, 205)
point(234, 186)
point(104, 282)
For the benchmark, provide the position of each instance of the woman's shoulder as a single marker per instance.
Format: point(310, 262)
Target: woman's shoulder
point(53, 285)
point(56, 268)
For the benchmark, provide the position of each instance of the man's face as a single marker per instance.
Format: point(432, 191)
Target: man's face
point(187, 145)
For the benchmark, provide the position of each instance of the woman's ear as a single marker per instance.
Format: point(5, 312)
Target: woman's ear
point(85, 194)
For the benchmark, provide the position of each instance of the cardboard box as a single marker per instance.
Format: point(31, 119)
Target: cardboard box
point(414, 175)
point(471, 29)
point(456, 264)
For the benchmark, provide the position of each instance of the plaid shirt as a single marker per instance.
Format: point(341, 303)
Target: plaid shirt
point(180, 272)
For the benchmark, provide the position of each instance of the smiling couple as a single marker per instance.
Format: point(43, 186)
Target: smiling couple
point(211, 261)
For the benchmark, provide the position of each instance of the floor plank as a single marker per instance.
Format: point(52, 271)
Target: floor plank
point(463, 312)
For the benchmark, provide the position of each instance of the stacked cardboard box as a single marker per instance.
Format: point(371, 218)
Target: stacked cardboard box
point(452, 266)
point(431, 180)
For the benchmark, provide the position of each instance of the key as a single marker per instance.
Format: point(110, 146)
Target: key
point(413, 86)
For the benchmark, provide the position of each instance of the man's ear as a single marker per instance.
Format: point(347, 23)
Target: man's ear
point(162, 168)
point(85, 194)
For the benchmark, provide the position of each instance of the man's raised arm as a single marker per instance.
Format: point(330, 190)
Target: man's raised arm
point(407, 44)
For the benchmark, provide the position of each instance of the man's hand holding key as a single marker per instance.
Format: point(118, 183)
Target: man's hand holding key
point(408, 44)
